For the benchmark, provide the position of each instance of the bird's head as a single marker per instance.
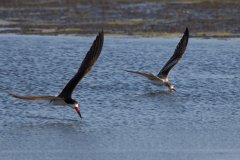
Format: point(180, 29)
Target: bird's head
point(74, 104)
point(171, 87)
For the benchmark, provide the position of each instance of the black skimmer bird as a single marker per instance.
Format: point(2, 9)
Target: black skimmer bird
point(65, 97)
point(162, 77)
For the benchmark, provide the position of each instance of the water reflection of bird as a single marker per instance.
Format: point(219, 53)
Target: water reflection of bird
point(64, 98)
point(162, 77)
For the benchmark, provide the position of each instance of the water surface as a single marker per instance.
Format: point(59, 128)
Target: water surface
point(124, 116)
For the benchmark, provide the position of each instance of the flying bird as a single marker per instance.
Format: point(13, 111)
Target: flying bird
point(65, 97)
point(162, 77)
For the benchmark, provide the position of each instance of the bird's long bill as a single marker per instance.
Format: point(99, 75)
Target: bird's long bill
point(78, 111)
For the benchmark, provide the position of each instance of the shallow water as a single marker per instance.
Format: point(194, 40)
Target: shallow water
point(124, 116)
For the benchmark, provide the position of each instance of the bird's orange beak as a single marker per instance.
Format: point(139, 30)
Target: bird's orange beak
point(78, 111)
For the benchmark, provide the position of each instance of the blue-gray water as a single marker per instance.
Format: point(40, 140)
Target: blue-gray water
point(124, 116)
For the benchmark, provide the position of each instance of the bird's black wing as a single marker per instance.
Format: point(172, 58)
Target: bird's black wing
point(89, 60)
point(179, 51)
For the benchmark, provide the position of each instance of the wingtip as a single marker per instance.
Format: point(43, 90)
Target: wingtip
point(186, 31)
point(101, 32)
point(11, 94)
point(126, 70)
point(101, 35)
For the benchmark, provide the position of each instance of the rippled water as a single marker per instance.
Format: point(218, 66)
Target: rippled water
point(124, 116)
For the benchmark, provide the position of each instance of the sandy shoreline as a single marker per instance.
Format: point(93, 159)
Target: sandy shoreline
point(135, 18)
